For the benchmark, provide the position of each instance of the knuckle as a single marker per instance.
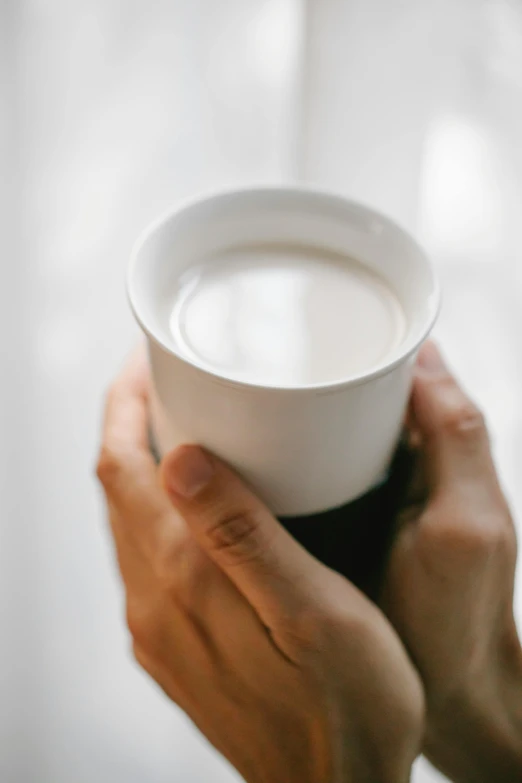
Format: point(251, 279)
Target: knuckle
point(181, 574)
point(109, 466)
point(491, 535)
point(304, 631)
point(135, 624)
point(233, 535)
point(340, 625)
point(478, 540)
point(144, 627)
point(474, 537)
point(319, 622)
point(354, 625)
point(464, 421)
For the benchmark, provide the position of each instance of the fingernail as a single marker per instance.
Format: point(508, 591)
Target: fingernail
point(189, 470)
point(430, 358)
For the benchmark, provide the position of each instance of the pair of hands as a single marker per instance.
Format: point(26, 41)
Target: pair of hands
point(287, 668)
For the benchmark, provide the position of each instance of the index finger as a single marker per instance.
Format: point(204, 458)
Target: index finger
point(453, 430)
point(126, 466)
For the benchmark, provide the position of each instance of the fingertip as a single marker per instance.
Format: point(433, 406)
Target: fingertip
point(430, 359)
point(186, 471)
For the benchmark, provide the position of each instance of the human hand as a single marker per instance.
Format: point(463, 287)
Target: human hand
point(290, 671)
point(449, 587)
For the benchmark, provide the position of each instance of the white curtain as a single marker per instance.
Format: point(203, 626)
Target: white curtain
point(110, 110)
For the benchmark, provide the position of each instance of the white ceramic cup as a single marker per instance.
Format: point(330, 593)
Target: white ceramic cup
point(303, 450)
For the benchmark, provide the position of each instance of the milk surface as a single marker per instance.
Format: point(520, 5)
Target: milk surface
point(285, 316)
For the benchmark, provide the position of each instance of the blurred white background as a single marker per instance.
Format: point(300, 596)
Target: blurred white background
point(110, 111)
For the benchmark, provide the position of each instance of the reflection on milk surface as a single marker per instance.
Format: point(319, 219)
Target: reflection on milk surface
point(285, 316)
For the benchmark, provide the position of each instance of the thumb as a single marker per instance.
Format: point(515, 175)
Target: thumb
point(452, 429)
point(237, 531)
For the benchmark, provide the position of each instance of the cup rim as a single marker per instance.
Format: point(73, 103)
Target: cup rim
point(409, 347)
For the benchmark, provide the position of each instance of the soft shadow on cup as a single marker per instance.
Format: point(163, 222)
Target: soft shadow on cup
point(305, 449)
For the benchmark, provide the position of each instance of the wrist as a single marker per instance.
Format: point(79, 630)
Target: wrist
point(477, 737)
